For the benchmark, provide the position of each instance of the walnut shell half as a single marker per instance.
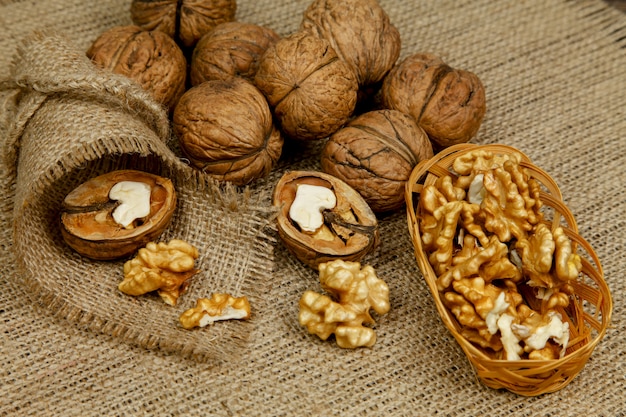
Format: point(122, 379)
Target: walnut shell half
point(88, 225)
point(375, 154)
point(449, 104)
point(349, 230)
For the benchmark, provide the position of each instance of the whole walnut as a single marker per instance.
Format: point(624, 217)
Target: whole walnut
point(375, 154)
point(230, 49)
point(183, 20)
point(150, 58)
point(225, 128)
point(449, 104)
point(312, 92)
point(360, 32)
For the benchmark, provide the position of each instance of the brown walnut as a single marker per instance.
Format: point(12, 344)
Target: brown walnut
point(225, 128)
point(312, 91)
point(230, 49)
point(449, 104)
point(185, 21)
point(375, 154)
point(349, 230)
point(150, 58)
point(360, 32)
point(88, 225)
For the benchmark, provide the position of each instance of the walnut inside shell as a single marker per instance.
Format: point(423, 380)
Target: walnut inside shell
point(449, 104)
point(349, 230)
point(88, 220)
point(311, 90)
point(360, 32)
point(375, 154)
point(185, 21)
point(150, 58)
point(226, 130)
point(230, 49)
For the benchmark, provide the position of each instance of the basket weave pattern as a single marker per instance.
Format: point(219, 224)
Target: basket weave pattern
point(588, 313)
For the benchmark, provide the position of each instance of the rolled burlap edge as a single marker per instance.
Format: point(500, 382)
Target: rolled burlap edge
point(67, 121)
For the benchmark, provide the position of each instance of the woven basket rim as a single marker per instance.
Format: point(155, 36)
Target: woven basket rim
point(525, 377)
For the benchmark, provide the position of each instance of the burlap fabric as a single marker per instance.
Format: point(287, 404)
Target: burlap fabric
point(555, 74)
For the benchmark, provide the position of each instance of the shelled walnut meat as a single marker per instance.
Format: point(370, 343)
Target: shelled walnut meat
point(225, 128)
point(375, 154)
point(354, 291)
point(359, 31)
point(311, 90)
point(321, 218)
point(165, 267)
point(150, 58)
point(112, 215)
point(449, 104)
point(502, 272)
point(230, 49)
point(185, 21)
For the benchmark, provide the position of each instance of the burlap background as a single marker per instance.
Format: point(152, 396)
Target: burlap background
point(555, 74)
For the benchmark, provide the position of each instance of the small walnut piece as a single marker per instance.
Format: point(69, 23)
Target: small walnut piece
point(311, 200)
point(152, 59)
point(322, 231)
point(311, 91)
point(134, 198)
point(219, 307)
point(361, 33)
point(162, 267)
point(183, 20)
point(218, 140)
point(230, 49)
point(114, 214)
point(375, 154)
point(449, 104)
point(356, 291)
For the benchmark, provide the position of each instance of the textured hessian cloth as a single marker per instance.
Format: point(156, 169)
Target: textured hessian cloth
point(72, 345)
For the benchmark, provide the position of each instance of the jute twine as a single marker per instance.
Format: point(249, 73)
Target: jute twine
point(555, 75)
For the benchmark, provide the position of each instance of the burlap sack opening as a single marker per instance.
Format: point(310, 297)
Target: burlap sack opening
point(70, 122)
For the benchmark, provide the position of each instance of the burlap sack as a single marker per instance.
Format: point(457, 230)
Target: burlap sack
point(555, 74)
point(71, 122)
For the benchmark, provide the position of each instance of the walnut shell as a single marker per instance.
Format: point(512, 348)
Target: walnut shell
point(87, 224)
point(185, 21)
point(225, 128)
point(152, 59)
point(449, 104)
point(230, 49)
point(350, 229)
point(360, 32)
point(311, 90)
point(375, 154)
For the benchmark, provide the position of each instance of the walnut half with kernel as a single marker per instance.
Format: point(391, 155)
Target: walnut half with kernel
point(114, 214)
point(322, 218)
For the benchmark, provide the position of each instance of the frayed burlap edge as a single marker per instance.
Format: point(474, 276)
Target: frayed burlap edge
point(21, 98)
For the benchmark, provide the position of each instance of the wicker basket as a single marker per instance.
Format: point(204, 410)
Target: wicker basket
point(589, 311)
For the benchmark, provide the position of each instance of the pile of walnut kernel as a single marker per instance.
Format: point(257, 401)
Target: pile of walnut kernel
point(494, 257)
point(335, 79)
